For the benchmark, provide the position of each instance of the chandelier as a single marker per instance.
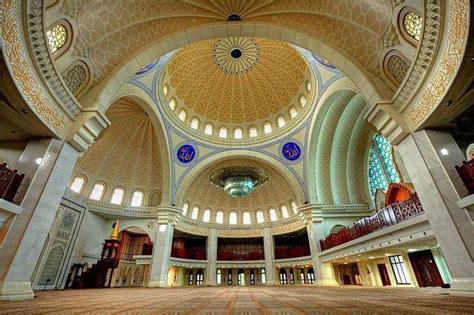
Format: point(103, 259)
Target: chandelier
point(238, 181)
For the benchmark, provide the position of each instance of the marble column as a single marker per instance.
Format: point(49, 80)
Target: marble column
point(429, 157)
point(161, 256)
point(211, 257)
point(47, 165)
point(269, 256)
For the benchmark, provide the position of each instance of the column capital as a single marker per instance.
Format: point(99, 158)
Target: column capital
point(86, 129)
point(310, 213)
point(387, 121)
point(169, 215)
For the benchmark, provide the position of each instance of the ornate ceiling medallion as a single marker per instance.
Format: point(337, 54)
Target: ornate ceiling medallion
point(236, 55)
point(238, 181)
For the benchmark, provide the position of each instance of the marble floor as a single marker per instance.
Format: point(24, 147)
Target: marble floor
point(243, 300)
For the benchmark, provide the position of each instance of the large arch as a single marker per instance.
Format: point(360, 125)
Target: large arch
point(337, 150)
point(257, 156)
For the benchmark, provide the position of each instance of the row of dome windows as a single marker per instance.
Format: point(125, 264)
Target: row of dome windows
point(98, 190)
point(238, 132)
point(246, 216)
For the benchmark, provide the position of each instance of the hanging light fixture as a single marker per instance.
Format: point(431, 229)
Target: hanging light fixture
point(238, 181)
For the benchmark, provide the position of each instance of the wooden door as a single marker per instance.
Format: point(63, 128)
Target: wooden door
point(426, 271)
point(384, 274)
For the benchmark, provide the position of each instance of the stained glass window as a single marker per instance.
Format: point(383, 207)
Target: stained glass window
point(382, 170)
point(412, 24)
point(57, 37)
point(75, 78)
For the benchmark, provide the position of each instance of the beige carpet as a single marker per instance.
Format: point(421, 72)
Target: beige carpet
point(243, 300)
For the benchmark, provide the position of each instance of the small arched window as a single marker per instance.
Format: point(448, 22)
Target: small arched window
point(97, 191)
point(396, 66)
point(172, 104)
point(137, 198)
point(220, 217)
point(59, 37)
point(117, 196)
point(284, 212)
point(281, 121)
point(77, 77)
point(308, 86)
point(267, 128)
point(78, 184)
point(294, 207)
point(195, 213)
point(238, 133)
point(208, 129)
point(233, 218)
point(253, 132)
point(412, 24)
point(246, 218)
point(182, 115)
point(303, 100)
point(293, 112)
point(195, 123)
point(273, 215)
point(260, 217)
point(223, 132)
point(185, 208)
point(165, 90)
point(206, 217)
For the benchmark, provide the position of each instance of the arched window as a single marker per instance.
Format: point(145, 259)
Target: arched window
point(281, 121)
point(172, 104)
point(253, 132)
point(382, 170)
point(97, 191)
point(208, 129)
point(233, 218)
point(260, 216)
point(223, 132)
point(267, 128)
point(308, 86)
point(303, 100)
point(137, 198)
point(294, 207)
point(238, 133)
point(117, 196)
point(78, 184)
point(396, 66)
point(293, 112)
point(220, 217)
point(185, 208)
point(77, 77)
point(412, 23)
point(273, 215)
point(246, 218)
point(263, 275)
point(206, 217)
point(165, 90)
point(284, 212)
point(219, 277)
point(195, 123)
point(195, 213)
point(182, 115)
point(58, 37)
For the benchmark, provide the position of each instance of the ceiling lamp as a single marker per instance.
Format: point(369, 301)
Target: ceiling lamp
point(238, 181)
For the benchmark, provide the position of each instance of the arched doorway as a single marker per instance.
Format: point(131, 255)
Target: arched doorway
point(241, 277)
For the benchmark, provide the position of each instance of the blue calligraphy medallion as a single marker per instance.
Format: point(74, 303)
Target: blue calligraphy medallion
point(186, 153)
point(291, 151)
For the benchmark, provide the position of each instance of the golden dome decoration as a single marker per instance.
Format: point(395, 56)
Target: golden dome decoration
point(236, 55)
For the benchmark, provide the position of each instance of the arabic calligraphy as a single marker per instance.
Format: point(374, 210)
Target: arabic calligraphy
point(291, 151)
point(186, 153)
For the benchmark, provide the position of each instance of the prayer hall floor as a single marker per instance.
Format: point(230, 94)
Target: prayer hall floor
point(243, 300)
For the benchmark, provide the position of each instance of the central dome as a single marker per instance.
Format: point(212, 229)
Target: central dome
point(236, 80)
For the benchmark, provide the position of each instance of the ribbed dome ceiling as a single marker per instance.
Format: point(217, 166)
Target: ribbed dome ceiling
point(275, 191)
point(237, 79)
point(127, 152)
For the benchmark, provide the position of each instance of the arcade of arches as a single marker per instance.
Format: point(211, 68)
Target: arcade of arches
point(236, 143)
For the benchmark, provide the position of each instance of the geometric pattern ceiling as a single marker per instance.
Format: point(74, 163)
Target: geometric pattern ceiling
point(270, 74)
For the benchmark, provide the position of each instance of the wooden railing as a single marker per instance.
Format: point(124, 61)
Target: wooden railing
point(10, 181)
point(466, 172)
point(388, 216)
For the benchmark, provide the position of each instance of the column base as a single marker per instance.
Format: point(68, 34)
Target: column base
point(462, 287)
point(10, 290)
point(157, 284)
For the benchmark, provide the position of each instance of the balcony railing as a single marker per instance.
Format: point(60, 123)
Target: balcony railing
point(10, 181)
point(388, 216)
point(466, 172)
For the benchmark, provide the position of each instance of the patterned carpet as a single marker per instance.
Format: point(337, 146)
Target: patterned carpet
point(243, 300)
